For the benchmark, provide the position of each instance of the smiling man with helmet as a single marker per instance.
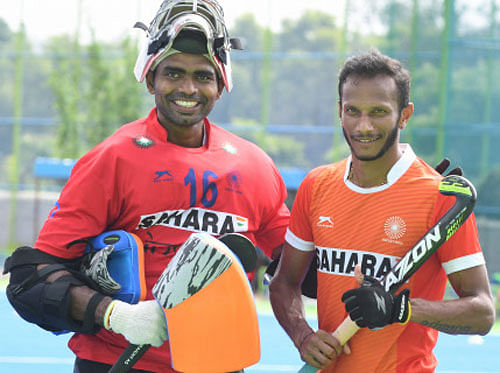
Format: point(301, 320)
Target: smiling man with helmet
point(159, 178)
point(189, 26)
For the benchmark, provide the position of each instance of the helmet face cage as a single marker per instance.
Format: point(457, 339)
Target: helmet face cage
point(173, 16)
point(170, 10)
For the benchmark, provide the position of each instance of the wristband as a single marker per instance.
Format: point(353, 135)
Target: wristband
point(409, 314)
point(107, 314)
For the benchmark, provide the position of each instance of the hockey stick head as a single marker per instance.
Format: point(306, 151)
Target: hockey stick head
point(466, 196)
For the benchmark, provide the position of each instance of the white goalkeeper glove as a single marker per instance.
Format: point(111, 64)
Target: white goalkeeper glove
point(141, 323)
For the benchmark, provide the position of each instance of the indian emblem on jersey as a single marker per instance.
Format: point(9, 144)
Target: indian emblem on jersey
point(143, 141)
point(395, 227)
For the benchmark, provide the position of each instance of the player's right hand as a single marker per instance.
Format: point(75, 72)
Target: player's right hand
point(141, 323)
point(320, 348)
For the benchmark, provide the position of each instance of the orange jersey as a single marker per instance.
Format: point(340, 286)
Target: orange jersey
point(375, 227)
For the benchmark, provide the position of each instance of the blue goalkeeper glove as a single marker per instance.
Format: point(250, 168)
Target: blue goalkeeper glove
point(373, 307)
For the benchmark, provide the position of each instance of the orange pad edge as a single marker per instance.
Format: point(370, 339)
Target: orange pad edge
point(142, 274)
point(215, 330)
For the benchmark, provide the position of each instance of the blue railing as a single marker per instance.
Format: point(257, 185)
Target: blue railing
point(55, 168)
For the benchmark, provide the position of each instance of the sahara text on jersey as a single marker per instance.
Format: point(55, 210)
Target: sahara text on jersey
point(342, 262)
point(196, 220)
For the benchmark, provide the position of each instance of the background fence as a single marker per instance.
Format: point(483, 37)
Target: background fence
point(60, 97)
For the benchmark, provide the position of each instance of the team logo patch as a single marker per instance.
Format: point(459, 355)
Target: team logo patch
point(233, 180)
point(395, 227)
point(143, 142)
point(230, 148)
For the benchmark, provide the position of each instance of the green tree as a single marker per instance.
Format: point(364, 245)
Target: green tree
point(94, 93)
point(489, 193)
point(244, 99)
point(113, 96)
point(66, 90)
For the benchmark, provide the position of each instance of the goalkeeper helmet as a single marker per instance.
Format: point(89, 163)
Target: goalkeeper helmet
point(189, 26)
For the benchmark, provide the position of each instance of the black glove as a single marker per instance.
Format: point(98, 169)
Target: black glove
point(373, 307)
point(444, 164)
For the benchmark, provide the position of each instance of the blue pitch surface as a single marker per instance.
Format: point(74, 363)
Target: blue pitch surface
point(25, 348)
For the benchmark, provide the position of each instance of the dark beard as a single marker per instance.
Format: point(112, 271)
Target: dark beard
point(388, 143)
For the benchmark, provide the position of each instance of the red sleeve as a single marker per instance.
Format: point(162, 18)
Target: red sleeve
point(85, 207)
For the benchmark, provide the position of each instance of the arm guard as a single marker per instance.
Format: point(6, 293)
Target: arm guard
point(44, 303)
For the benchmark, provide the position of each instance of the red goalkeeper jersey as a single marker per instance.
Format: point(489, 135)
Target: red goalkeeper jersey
point(375, 227)
point(137, 181)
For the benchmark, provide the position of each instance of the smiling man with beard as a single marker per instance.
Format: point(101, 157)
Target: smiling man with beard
point(356, 218)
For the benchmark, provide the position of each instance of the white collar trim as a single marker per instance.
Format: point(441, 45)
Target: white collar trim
point(398, 169)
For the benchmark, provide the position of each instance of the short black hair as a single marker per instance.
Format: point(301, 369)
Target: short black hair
point(372, 64)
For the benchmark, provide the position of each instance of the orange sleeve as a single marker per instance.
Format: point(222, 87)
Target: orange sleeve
point(462, 250)
point(300, 219)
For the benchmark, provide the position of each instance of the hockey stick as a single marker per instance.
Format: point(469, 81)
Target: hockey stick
point(466, 196)
point(179, 282)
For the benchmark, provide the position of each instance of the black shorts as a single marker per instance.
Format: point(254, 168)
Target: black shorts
point(88, 366)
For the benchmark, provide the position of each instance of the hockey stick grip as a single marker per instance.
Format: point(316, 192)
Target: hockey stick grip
point(346, 330)
point(128, 358)
point(343, 333)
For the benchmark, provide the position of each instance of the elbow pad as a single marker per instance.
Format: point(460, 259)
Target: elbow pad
point(47, 304)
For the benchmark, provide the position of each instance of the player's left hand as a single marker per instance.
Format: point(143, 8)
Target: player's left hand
point(373, 307)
